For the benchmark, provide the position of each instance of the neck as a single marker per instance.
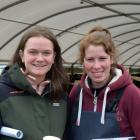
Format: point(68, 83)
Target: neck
point(101, 84)
point(35, 80)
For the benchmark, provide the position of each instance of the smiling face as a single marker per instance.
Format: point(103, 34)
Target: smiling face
point(97, 65)
point(38, 56)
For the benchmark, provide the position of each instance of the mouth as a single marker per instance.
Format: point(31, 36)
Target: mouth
point(39, 65)
point(97, 74)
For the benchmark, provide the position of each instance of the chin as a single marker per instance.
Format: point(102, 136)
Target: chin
point(98, 80)
point(38, 74)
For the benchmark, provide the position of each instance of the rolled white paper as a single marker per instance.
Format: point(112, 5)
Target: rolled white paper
point(50, 138)
point(11, 132)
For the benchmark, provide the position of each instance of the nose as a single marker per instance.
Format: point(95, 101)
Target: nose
point(40, 57)
point(96, 64)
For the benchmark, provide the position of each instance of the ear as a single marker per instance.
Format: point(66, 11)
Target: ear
point(54, 57)
point(112, 60)
point(54, 54)
point(21, 54)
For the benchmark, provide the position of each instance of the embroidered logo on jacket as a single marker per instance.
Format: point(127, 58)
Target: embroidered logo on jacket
point(16, 92)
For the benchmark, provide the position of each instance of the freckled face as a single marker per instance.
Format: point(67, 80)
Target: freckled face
point(38, 56)
point(97, 65)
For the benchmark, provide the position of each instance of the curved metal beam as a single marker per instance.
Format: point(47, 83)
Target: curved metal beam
point(137, 45)
point(130, 57)
point(88, 21)
point(110, 9)
point(135, 63)
point(108, 28)
point(126, 33)
point(30, 25)
point(50, 17)
point(128, 41)
point(123, 24)
point(12, 4)
point(103, 5)
point(70, 47)
point(37, 22)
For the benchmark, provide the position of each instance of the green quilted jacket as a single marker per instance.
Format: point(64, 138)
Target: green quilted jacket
point(23, 109)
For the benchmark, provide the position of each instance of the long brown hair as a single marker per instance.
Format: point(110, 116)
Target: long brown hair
point(56, 74)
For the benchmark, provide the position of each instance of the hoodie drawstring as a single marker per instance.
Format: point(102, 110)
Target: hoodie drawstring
point(104, 106)
point(80, 107)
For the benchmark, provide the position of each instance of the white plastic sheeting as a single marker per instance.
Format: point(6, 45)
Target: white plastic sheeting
point(70, 20)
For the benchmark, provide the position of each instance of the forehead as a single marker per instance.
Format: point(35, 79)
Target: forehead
point(38, 42)
point(95, 49)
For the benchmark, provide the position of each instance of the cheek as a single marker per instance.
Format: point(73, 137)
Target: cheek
point(50, 60)
point(87, 66)
point(27, 59)
point(108, 65)
point(107, 68)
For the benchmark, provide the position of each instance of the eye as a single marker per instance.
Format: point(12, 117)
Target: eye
point(103, 58)
point(89, 59)
point(32, 52)
point(46, 53)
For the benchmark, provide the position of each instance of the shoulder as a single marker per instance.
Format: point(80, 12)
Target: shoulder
point(132, 90)
point(65, 96)
point(131, 96)
point(5, 86)
point(74, 90)
point(74, 93)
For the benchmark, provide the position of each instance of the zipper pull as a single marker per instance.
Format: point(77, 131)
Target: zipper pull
point(95, 101)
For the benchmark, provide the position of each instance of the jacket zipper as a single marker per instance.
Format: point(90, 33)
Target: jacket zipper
point(95, 101)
